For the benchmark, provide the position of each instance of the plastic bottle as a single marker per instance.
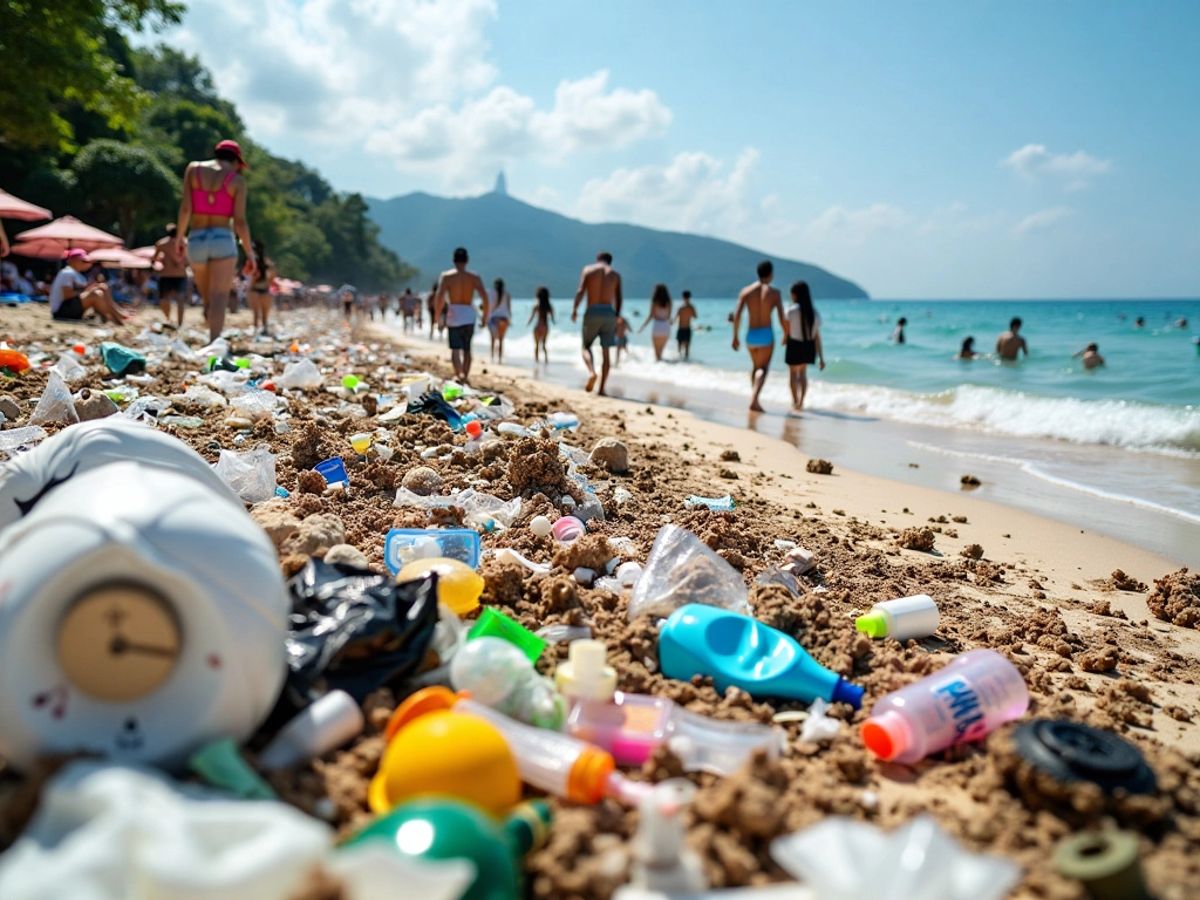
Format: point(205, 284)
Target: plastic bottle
point(975, 694)
point(716, 504)
point(496, 673)
point(568, 529)
point(738, 650)
point(547, 760)
point(633, 726)
point(331, 721)
point(459, 586)
point(902, 619)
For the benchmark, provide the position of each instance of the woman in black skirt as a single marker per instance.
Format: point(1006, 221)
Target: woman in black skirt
point(802, 339)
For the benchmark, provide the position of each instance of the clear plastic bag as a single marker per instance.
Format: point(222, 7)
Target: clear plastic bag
point(301, 375)
point(201, 396)
point(251, 475)
point(255, 405)
point(69, 368)
point(55, 404)
point(481, 510)
point(680, 570)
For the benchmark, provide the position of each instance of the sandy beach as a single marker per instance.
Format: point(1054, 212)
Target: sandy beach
point(1067, 606)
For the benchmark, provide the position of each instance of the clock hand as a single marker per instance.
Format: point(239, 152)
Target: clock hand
point(120, 645)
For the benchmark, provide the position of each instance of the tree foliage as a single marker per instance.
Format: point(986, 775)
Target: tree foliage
point(126, 178)
point(60, 54)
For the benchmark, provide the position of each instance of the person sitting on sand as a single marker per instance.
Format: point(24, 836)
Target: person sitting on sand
point(498, 320)
point(543, 310)
point(660, 315)
point(601, 283)
point(683, 321)
point(1091, 356)
point(759, 300)
point(898, 333)
point(72, 295)
point(170, 261)
point(802, 338)
point(622, 330)
point(456, 292)
point(967, 350)
point(1010, 344)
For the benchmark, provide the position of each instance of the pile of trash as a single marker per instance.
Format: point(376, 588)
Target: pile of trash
point(195, 640)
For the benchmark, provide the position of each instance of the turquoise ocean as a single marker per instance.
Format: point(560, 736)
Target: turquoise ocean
point(1116, 448)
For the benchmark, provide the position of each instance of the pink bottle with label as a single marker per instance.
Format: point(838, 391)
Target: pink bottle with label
point(632, 726)
point(974, 695)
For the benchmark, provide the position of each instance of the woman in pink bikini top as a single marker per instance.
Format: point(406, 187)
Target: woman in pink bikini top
point(214, 205)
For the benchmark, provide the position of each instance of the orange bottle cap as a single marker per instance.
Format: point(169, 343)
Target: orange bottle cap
point(587, 782)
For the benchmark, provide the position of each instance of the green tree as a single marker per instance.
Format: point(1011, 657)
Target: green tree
point(188, 129)
point(60, 56)
point(123, 185)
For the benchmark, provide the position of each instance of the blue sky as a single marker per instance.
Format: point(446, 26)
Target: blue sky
point(933, 149)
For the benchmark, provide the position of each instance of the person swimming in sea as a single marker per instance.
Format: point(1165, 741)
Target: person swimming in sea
point(1010, 344)
point(1139, 322)
point(759, 300)
point(543, 310)
point(967, 350)
point(898, 333)
point(1091, 356)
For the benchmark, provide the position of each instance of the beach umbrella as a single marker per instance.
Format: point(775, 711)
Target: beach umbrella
point(53, 240)
point(118, 257)
point(15, 208)
point(144, 252)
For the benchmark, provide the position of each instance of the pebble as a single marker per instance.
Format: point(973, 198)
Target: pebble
point(347, 555)
point(540, 525)
point(9, 407)
point(611, 454)
point(423, 481)
point(91, 405)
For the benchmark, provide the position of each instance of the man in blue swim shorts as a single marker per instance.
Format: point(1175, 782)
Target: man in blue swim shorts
point(601, 283)
point(455, 295)
point(759, 300)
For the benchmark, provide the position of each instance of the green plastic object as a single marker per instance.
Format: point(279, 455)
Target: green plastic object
point(242, 363)
point(1107, 863)
point(493, 623)
point(121, 360)
point(873, 624)
point(445, 829)
point(350, 382)
point(221, 765)
point(451, 392)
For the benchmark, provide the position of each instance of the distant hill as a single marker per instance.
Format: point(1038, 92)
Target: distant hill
point(528, 246)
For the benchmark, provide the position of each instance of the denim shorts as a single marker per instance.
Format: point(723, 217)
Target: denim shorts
point(207, 245)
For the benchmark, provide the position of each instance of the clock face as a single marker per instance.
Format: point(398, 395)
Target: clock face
point(119, 642)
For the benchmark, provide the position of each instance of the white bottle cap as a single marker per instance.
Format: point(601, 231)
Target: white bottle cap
point(584, 676)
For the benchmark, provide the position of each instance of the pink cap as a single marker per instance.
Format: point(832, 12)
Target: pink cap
point(886, 735)
point(75, 253)
point(567, 529)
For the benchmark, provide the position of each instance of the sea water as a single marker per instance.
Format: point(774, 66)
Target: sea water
point(1043, 433)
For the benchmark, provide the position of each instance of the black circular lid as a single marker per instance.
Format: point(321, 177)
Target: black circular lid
point(1072, 751)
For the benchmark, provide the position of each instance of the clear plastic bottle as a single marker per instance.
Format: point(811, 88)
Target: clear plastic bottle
point(902, 619)
point(499, 674)
point(632, 726)
point(975, 694)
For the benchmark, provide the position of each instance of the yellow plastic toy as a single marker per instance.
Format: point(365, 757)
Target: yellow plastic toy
point(459, 586)
point(447, 754)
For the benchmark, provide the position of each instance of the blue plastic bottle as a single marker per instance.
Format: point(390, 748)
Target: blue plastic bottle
point(738, 650)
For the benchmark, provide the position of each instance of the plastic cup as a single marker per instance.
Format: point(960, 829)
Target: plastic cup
point(333, 470)
point(361, 442)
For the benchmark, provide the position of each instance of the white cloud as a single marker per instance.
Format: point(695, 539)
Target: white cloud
point(856, 225)
point(408, 80)
point(1075, 170)
point(1042, 219)
point(693, 192)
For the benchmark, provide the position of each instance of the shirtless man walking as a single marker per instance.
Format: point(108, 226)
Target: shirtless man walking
point(170, 260)
point(759, 299)
point(455, 295)
point(602, 285)
point(1009, 344)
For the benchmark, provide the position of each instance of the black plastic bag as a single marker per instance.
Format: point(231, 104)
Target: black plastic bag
point(434, 404)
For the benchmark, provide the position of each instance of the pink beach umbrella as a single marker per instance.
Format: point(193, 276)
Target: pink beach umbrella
point(145, 252)
point(53, 240)
point(118, 257)
point(15, 208)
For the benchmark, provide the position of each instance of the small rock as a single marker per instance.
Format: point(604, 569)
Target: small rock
point(730, 456)
point(801, 560)
point(820, 467)
point(916, 539)
point(346, 555)
point(276, 519)
point(10, 408)
point(972, 551)
point(611, 454)
point(1105, 659)
point(316, 535)
point(728, 474)
point(91, 405)
point(310, 482)
point(969, 481)
point(422, 480)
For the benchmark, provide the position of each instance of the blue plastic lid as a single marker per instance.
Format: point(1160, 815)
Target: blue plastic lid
point(845, 692)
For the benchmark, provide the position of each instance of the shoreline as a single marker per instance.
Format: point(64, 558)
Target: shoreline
point(915, 456)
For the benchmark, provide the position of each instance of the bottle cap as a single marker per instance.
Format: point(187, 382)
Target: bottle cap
point(1072, 751)
point(1106, 862)
point(886, 735)
point(845, 692)
point(587, 782)
point(873, 624)
point(584, 675)
point(528, 826)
